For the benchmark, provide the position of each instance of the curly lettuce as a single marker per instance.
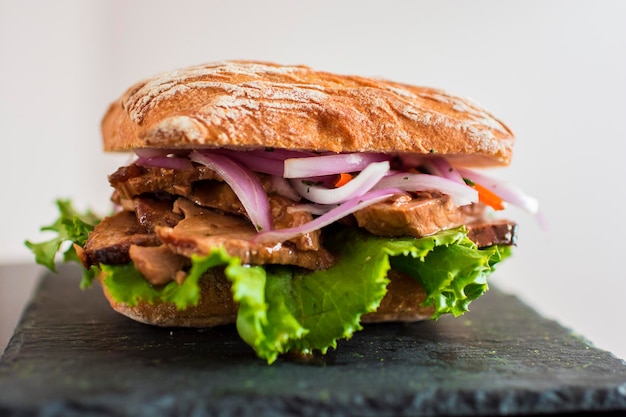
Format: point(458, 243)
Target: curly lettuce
point(329, 304)
point(71, 228)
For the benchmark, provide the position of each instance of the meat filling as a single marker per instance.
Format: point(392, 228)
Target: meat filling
point(158, 264)
point(169, 215)
point(203, 229)
point(403, 215)
point(111, 239)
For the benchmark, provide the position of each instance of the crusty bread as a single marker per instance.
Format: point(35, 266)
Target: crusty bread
point(245, 105)
point(216, 307)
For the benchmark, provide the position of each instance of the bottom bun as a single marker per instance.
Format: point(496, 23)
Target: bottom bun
point(216, 306)
point(402, 303)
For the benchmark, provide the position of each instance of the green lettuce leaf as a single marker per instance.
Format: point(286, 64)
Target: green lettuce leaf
point(264, 320)
point(126, 285)
point(455, 271)
point(306, 311)
point(71, 228)
point(329, 304)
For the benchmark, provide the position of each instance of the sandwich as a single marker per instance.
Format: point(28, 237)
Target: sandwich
point(296, 204)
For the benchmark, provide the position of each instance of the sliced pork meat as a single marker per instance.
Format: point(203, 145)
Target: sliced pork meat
point(133, 180)
point(111, 239)
point(430, 212)
point(152, 211)
point(495, 232)
point(284, 218)
point(158, 264)
point(203, 229)
point(220, 196)
point(403, 215)
point(217, 195)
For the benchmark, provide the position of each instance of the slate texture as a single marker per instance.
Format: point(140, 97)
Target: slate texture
point(73, 356)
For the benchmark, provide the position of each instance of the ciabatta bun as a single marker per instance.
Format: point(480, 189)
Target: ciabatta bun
point(243, 105)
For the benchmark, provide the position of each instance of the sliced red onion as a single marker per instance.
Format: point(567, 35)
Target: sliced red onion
point(330, 164)
point(174, 162)
point(255, 161)
point(445, 170)
point(282, 187)
point(460, 194)
point(244, 183)
point(359, 185)
point(410, 160)
point(506, 192)
point(341, 211)
point(431, 168)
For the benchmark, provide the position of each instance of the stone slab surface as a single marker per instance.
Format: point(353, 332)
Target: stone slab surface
point(71, 355)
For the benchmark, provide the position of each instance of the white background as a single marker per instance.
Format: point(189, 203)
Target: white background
point(554, 71)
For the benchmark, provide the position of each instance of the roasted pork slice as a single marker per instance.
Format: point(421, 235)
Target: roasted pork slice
point(403, 215)
point(152, 211)
point(284, 218)
point(494, 232)
point(203, 229)
point(158, 264)
point(220, 196)
point(133, 180)
point(429, 213)
point(217, 195)
point(111, 239)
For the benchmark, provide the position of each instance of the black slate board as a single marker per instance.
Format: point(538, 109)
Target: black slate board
point(73, 356)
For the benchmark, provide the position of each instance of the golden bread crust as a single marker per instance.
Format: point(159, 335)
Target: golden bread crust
point(244, 105)
point(216, 307)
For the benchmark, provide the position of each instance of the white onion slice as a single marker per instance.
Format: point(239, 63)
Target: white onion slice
point(330, 164)
point(244, 183)
point(461, 194)
point(506, 192)
point(360, 184)
point(348, 207)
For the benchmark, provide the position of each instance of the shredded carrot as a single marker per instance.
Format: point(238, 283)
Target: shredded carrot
point(488, 197)
point(342, 179)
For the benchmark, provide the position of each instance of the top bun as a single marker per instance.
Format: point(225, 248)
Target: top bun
point(247, 105)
